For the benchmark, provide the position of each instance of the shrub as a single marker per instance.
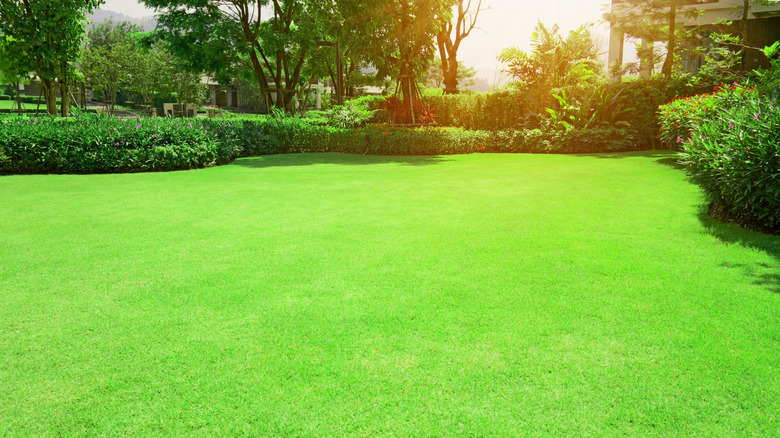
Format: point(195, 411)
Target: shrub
point(32, 99)
point(5, 97)
point(729, 142)
point(98, 144)
point(498, 110)
point(350, 115)
point(734, 154)
point(92, 143)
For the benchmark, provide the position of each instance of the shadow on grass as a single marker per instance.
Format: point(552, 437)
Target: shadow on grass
point(308, 159)
point(657, 153)
point(731, 233)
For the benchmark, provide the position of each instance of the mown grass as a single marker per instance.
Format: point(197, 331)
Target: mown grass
point(10, 104)
point(326, 295)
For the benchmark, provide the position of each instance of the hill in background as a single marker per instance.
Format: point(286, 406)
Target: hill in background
point(101, 16)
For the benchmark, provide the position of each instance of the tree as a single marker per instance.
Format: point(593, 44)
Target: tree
point(217, 35)
point(11, 72)
point(110, 58)
point(451, 36)
point(336, 20)
point(434, 76)
point(655, 20)
point(46, 37)
point(399, 34)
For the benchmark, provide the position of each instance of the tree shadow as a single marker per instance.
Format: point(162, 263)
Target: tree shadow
point(730, 233)
point(309, 159)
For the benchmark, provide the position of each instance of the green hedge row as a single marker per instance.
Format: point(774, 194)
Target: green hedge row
point(99, 144)
point(638, 100)
point(730, 145)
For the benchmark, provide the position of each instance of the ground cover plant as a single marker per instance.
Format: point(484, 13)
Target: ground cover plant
point(332, 295)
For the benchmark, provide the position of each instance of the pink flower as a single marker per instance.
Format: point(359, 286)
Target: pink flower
point(117, 143)
point(679, 139)
point(756, 116)
point(137, 126)
point(731, 127)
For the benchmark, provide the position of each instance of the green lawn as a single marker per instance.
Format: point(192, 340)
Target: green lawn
point(331, 295)
point(10, 104)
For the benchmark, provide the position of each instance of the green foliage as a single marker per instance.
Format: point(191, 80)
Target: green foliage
point(496, 110)
point(352, 114)
point(655, 20)
point(730, 145)
point(45, 38)
point(100, 144)
point(554, 63)
point(5, 97)
point(598, 106)
point(434, 75)
point(640, 99)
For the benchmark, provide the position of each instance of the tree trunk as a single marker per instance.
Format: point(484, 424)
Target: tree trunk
point(451, 75)
point(667, 68)
point(50, 94)
point(441, 40)
point(65, 105)
point(18, 97)
point(407, 79)
point(745, 28)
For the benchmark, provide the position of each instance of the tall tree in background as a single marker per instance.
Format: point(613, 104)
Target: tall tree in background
point(46, 38)
point(434, 76)
point(337, 20)
point(654, 20)
point(11, 72)
point(453, 31)
point(108, 58)
point(399, 34)
point(216, 35)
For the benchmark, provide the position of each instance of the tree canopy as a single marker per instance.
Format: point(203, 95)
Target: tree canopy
point(46, 37)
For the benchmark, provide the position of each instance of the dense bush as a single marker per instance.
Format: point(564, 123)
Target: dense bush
point(34, 99)
point(99, 144)
point(730, 145)
point(5, 97)
point(497, 110)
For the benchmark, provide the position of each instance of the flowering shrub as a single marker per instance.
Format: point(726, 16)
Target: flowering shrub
point(730, 144)
point(678, 117)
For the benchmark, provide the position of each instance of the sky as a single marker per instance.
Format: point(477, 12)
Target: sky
point(505, 23)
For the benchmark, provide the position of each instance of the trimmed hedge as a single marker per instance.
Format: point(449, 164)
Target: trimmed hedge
point(100, 144)
point(730, 145)
point(499, 110)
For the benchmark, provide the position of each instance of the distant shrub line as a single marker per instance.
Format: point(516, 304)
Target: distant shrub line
point(99, 144)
